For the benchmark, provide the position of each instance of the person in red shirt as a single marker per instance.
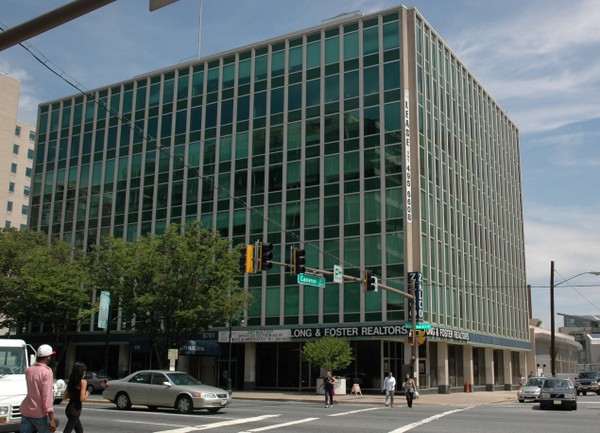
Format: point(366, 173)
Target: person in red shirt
point(37, 409)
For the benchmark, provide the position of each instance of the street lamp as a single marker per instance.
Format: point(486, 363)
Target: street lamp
point(552, 331)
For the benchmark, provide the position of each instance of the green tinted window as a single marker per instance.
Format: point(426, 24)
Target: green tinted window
point(391, 36)
point(351, 207)
point(277, 63)
point(393, 203)
point(351, 46)
point(351, 84)
point(244, 72)
point(228, 76)
point(311, 300)
point(241, 145)
point(294, 135)
point(197, 83)
point(291, 300)
point(371, 80)
point(370, 41)
point(294, 97)
point(332, 88)
point(313, 93)
point(212, 83)
point(260, 68)
point(391, 76)
point(372, 206)
point(313, 55)
point(295, 59)
point(393, 120)
point(332, 50)
point(225, 149)
point(352, 290)
point(277, 100)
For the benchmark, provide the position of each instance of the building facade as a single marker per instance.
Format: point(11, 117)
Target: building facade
point(585, 330)
point(17, 140)
point(364, 141)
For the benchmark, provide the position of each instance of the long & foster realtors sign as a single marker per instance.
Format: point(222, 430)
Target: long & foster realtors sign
point(266, 335)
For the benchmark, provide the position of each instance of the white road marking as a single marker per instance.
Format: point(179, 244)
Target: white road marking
point(218, 424)
point(427, 420)
point(354, 411)
point(285, 424)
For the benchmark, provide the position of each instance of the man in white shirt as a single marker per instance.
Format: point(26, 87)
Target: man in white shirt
point(389, 386)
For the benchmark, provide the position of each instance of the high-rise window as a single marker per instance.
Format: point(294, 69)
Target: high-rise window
point(30, 153)
point(18, 131)
point(26, 190)
point(24, 209)
point(31, 136)
point(9, 206)
point(28, 172)
point(15, 149)
point(11, 187)
point(13, 168)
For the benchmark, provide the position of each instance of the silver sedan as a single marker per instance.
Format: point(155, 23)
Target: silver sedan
point(163, 388)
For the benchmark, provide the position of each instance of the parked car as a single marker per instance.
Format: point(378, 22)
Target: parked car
point(531, 390)
point(58, 390)
point(558, 393)
point(588, 381)
point(164, 388)
point(96, 381)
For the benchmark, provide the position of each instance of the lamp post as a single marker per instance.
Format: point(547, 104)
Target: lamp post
point(552, 326)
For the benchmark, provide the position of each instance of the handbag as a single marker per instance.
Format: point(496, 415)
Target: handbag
point(416, 394)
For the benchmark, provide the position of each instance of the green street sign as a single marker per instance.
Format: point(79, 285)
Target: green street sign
point(311, 280)
point(418, 326)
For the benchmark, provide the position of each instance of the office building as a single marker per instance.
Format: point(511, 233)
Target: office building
point(363, 140)
point(17, 141)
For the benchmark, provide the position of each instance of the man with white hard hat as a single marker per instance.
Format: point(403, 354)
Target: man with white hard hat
point(37, 409)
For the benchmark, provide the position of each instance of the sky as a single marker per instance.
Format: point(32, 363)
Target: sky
point(539, 59)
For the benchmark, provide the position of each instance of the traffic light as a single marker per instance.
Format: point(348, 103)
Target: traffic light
point(298, 261)
point(247, 259)
point(421, 337)
point(371, 281)
point(266, 255)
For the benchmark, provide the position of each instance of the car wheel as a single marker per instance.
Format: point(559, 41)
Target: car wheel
point(584, 392)
point(184, 404)
point(90, 389)
point(214, 409)
point(574, 407)
point(542, 406)
point(122, 401)
point(521, 400)
point(153, 408)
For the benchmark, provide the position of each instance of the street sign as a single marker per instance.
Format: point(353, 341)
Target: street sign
point(311, 280)
point(338, 274)
point(419, 326)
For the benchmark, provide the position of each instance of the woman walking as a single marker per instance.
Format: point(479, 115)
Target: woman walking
point(410, 387)
point(76, 393)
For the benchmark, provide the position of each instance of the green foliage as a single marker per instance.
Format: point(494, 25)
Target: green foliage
point(329, 353)
point(42, 283)
point(175, 285)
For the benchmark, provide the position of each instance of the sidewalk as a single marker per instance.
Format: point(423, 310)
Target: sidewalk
point(456, 399)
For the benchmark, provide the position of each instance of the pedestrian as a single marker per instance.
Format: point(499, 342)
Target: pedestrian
point(37, 409)
point(521, 381)
point(410, 387)
point(389, 387)
point(530, 374)
point(76, 393)
point(328, 384)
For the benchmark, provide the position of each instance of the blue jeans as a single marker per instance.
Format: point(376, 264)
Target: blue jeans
point(28, 424)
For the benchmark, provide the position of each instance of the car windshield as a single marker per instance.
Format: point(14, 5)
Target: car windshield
point(558, 384)
point(12, 360)
point(183, 379)
point(535, 382)
point(588, 375)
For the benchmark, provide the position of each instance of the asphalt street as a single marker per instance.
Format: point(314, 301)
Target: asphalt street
point(310, 416)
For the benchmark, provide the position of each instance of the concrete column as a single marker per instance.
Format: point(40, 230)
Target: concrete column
point(468, 366)
point(442, 368)
point(250, 367)
point(489, 369)
point(508, 369)
point(123, 364)
point(183, 363)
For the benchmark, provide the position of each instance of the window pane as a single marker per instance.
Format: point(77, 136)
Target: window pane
point(332, 50)
point(313, 55)
point(351, 46)
point(370, 41)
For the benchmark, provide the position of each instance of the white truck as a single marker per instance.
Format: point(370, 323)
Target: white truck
point(15, 357)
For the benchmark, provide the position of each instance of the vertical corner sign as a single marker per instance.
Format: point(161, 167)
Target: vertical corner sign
point(415, 281)
point(407, 172)
point(338, 274)
point(104, 309)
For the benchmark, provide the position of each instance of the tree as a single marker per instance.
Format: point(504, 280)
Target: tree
point(329, 353)
point(42, 284)
point(175, 285)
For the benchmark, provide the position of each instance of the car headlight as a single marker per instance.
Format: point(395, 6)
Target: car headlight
point(570, 396)
point(545, 395)
point(206, 395)
point(4, 410)
point(537, 392)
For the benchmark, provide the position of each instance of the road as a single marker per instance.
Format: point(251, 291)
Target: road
point(292, 417)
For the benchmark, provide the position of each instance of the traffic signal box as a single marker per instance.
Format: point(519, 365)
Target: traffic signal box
point(265, 257)
point(419, 338)
point(298, 261)
point(371, 282)
point(247, 259)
